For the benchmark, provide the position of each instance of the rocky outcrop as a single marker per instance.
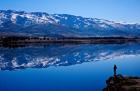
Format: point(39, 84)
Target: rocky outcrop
point(122, 83)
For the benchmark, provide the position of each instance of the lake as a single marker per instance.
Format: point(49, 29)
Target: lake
point(65, 67)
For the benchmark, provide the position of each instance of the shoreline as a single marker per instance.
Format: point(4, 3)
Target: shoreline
point(72, 40)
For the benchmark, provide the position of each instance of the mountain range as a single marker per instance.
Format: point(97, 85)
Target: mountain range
point(21, 23)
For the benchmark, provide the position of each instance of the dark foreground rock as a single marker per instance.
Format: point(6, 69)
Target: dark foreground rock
point(122, 83)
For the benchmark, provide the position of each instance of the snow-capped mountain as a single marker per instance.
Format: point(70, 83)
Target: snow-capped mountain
point(40, 23)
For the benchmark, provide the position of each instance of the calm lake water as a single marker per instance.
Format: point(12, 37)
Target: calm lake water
point(84, 67)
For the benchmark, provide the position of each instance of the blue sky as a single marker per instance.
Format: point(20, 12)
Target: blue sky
point(117, 10)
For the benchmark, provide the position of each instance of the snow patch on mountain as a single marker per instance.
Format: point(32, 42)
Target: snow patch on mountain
point(14, 17)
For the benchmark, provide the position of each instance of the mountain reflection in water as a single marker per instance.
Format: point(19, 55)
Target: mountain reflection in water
point(43, 56)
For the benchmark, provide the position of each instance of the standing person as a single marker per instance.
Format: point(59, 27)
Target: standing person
point(115, 69)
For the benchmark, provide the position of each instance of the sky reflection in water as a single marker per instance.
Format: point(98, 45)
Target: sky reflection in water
point(74, 67)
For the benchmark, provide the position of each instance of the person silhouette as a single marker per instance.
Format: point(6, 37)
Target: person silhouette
point(115, 69)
